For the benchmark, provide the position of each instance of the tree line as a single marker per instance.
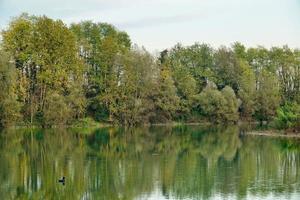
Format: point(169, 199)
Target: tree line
point(54, 74)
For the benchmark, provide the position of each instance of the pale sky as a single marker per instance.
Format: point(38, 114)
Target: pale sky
point(160, 24)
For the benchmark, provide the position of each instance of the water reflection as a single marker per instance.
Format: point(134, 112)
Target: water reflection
point(186, 162)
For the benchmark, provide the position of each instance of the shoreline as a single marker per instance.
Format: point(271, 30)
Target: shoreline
point(265, 133)
point(273, 133)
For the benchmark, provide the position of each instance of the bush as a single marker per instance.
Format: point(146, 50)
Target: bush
point(85, 123)
point(288, 116)
point(217, 106)
point(56, 111)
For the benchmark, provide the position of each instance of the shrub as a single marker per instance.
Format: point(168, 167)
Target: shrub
point(288, 116)
point(217, 106)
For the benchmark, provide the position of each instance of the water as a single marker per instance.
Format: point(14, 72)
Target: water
point(156, 163)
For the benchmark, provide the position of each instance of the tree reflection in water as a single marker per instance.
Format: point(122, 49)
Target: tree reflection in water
point(186, 162)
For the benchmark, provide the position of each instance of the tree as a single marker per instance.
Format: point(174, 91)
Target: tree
point(239, 50)
point(136, 84)
point(258, 59)
point(217, 106)
point(230, 109)
point(76, 101)
point(226, 67)
point(297, 76)
point(196, 59)
point(9, 106)
point(62, 114)
point(247, 91)
point(45, 54)
point(184, 80)
point(285, 63)
point(288, 116)
point(166, 101)
point(100, 44)
point(186, 87)
point(91, 69)
point(267, 96)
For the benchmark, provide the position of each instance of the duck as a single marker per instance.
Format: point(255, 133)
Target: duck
point(62, 180)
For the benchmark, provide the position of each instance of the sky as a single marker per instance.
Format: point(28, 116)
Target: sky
point(160, 24)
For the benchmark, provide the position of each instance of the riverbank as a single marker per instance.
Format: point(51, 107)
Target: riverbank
point(273, 133)
point(250, 128)
point(90, 123)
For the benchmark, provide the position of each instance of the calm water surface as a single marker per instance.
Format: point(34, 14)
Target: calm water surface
point(154, 163)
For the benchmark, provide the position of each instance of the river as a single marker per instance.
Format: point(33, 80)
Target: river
point(148, 163)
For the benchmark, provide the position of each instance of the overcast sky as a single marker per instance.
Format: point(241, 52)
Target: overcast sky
point(159, 24)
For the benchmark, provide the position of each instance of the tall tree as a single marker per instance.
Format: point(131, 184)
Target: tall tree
point(226, 67)
point(247, 90)
point(286, 64)
point(9, 106)
point(196, 59)
point(136, 83)
point(100, 45)
point(267, 96)
point(184, 81)
point(46, 57)
point(166, 100)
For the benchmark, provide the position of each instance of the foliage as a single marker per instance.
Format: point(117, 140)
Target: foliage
point(231, 105)
point(45, 54)
point(92, 70)
point(86, 122)
point(166, 100)
point(9, 106)
point(100, 46)
point(135, 87)
point(197, 59)
point(288, 116)
point(247, 91)
point(267, 96)
point(56, 111)
point(218, 106)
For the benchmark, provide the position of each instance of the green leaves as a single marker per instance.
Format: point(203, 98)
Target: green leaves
point(101, 46)
point(247, 90)
point(9, 106)
point(92, 68)
point(288, 116)
point(218, 106)
point(46, 57)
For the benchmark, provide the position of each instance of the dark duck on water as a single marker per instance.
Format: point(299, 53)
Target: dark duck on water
point(62, 180)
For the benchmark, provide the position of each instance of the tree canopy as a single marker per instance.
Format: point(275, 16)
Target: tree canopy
point(55, 74)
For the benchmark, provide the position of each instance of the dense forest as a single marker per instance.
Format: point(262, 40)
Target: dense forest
point(55, 74)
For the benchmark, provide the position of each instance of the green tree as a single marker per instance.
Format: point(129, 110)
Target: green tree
point(166, 100)
point(239, 50)
point(227, 69)
point(135, 87)
point(184, 80)
point(217, 106)
point(288, 116)
point(45, 54)
point(247, 91)
point(9, 106)
point(230, 109)
point(286, 64)
point(186, 88)
point(62, 112)
point(267, 96)
point(196, 59)
point(100, 45)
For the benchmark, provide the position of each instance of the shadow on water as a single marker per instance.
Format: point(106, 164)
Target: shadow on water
point(182, 162)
